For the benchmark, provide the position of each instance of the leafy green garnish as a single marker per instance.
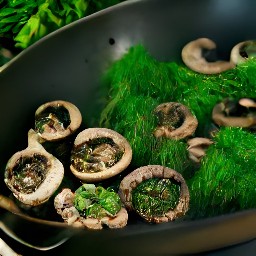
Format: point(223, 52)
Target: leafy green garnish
point(96, 202)
point(27, 21)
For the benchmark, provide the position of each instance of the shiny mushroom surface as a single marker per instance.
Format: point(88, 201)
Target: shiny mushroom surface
point(192, 56)
point(160, 194)
point(56, 120)
point(175, 121)
point(33, 174)
point(98, 154)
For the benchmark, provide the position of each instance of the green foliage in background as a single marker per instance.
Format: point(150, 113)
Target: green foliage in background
point(25, 22)
point(137, 83)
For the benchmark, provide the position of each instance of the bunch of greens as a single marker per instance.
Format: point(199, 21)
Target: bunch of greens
point(137, 83)
point(226, 180)
point(25, 22)
point(96, 202)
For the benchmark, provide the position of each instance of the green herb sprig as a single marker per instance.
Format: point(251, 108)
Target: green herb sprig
point(96, 202)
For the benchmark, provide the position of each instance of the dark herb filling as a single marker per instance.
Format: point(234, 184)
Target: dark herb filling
point(96, 155)
point(154, 197)
point(55, 117)
point(172, 119)
point(96, 202)
point(29, 173)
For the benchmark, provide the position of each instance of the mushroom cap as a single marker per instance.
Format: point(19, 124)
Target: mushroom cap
point(75, 120)
point(193, 58)
point(118, 139)
point(132, 180)
point(48, 186)
point(197, 147)
point(168, 111)
point(246, 47)
point(220, 118)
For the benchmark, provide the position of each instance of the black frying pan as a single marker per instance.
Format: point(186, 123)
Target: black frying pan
point(68, 65)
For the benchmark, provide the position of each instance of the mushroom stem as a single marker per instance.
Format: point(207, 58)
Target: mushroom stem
point(34, 140)
point(192, 56)
point(197, 148)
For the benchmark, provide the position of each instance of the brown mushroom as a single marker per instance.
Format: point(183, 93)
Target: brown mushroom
point(175, 121)
point(230, 112)
point(192, 56)
point(99, 154)
point(56, 120)
point(242, 51)
point(197, 148)
point(64, 205)
point(140, 175)
point(33, 174)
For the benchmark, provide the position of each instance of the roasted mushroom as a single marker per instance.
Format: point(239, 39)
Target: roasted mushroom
point(56, 120)
point(235, 113)
point(242, 51)
point(156, 193)
point(193, 57)
point(98, 154)
point(33, 174)
point(197, 148)
point(175, 121)
point(91, 207)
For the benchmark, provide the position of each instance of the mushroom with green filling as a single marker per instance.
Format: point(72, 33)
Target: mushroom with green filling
point(33, 174)
point(193, 57)
point(98, 154)
point(92, 207)
point(56, 120)
point(242, 51)
point(175, 121)
point(156, 193)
